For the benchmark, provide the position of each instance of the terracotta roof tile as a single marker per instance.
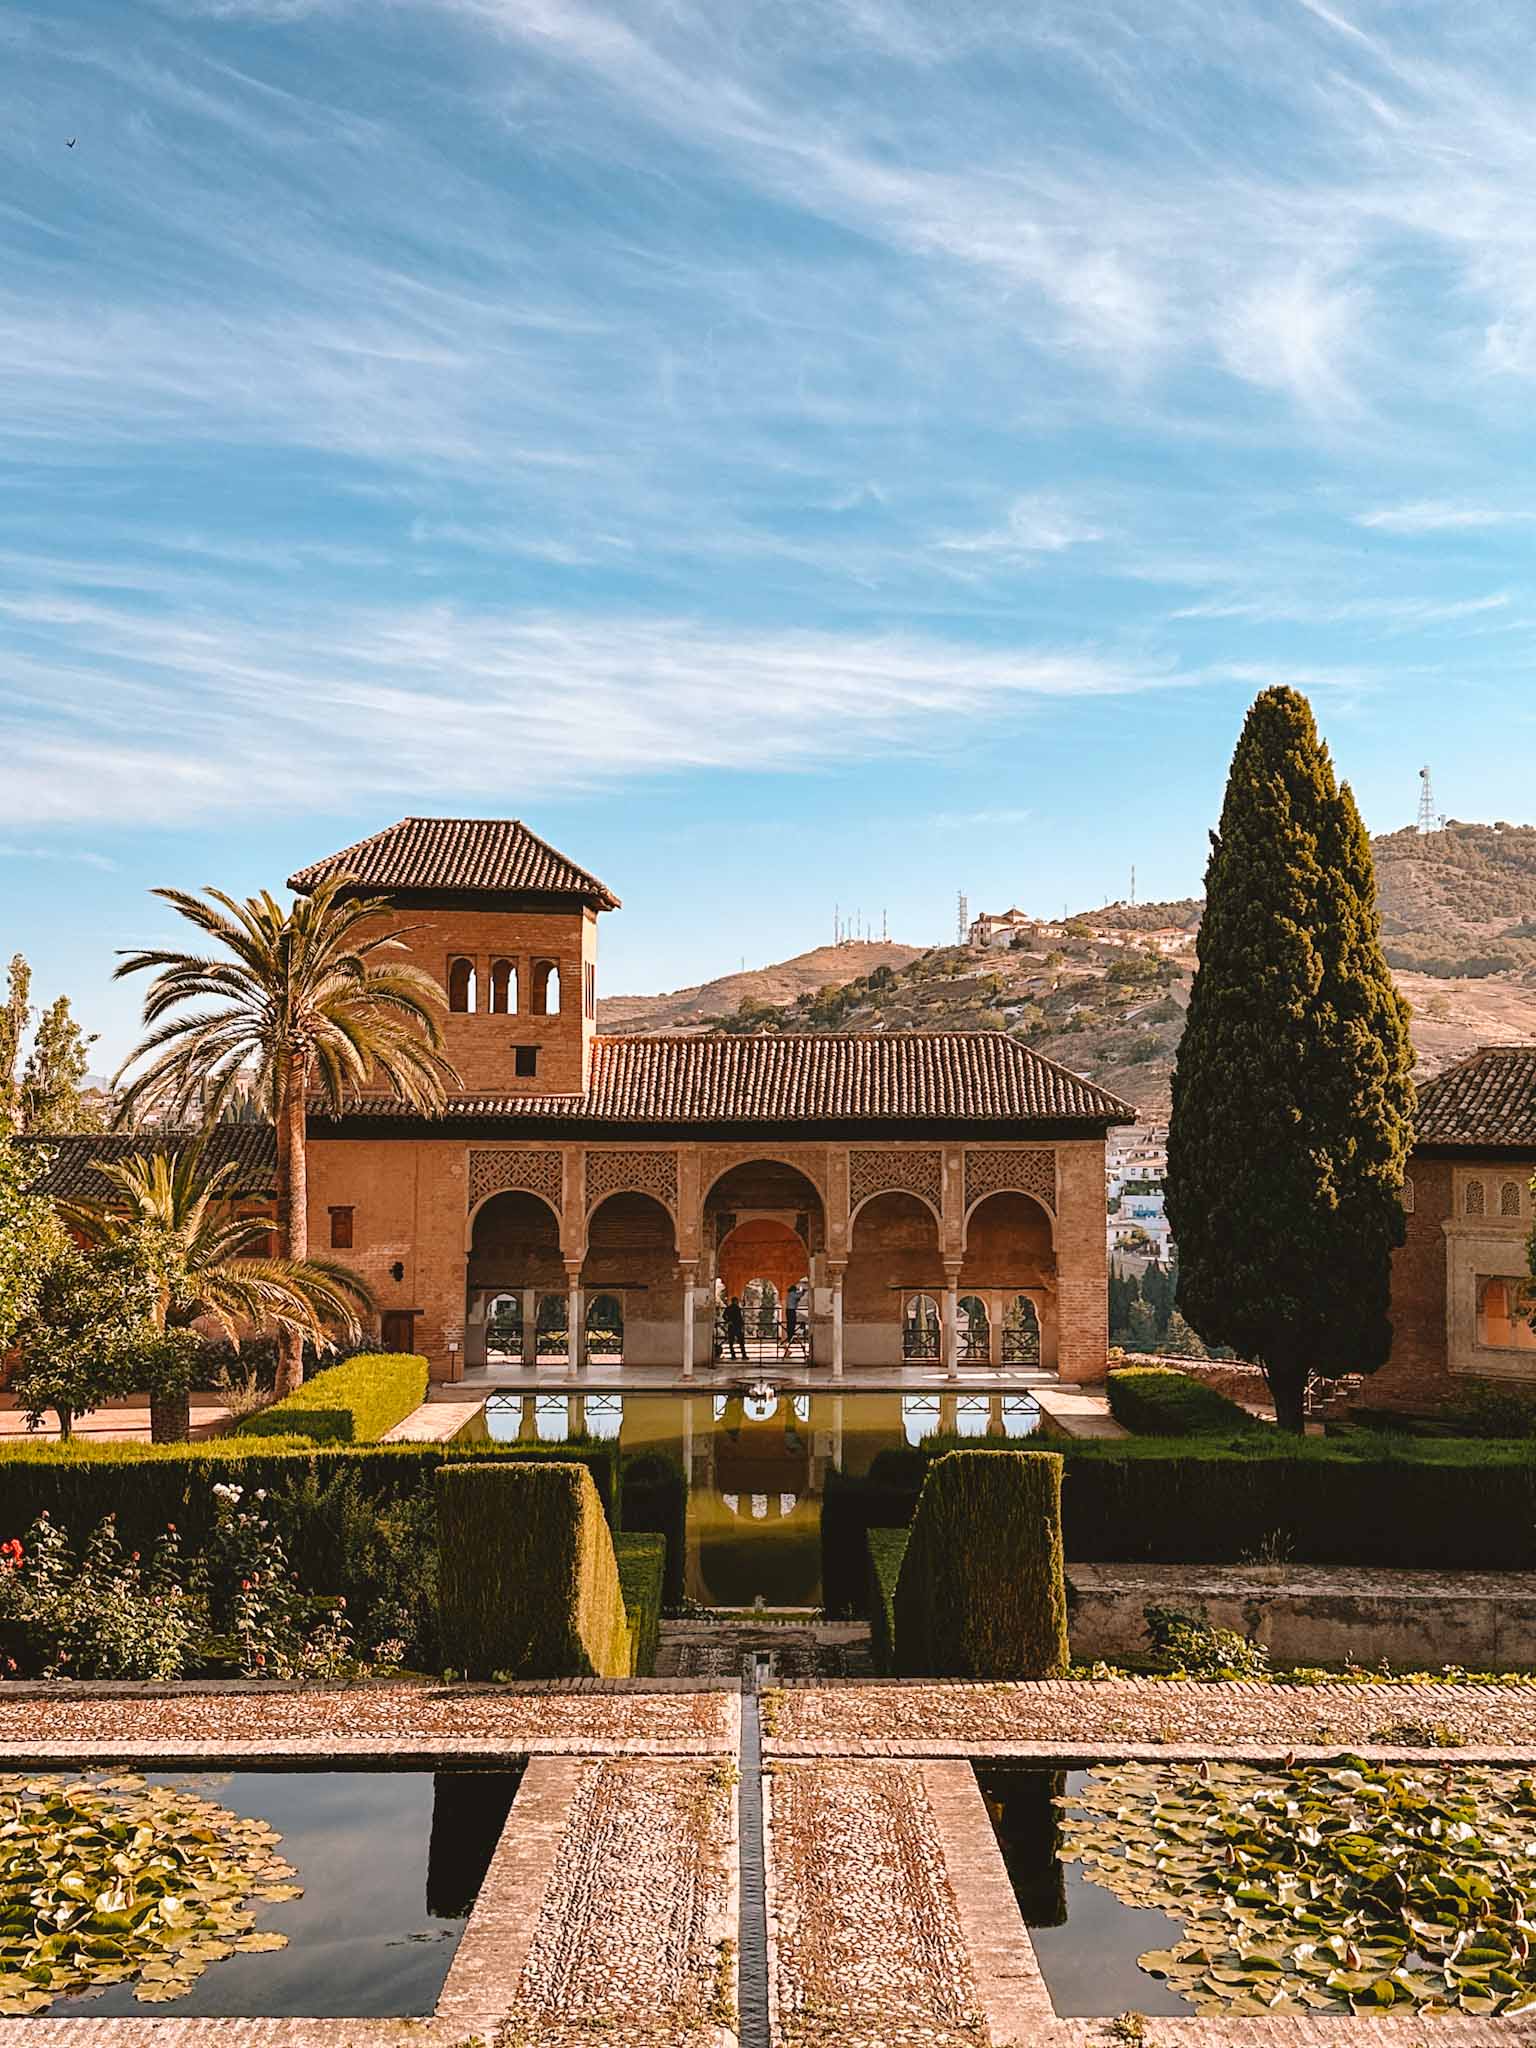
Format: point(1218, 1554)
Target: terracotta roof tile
point(72, 1177)
point(493, 856)
point(943, 1076)
point(1486, 1100)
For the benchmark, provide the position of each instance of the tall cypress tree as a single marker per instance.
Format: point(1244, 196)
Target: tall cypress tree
point(1292, 1096)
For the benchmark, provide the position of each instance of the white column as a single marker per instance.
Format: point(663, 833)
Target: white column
point(574, 1350)
point(530, 1326)
point(688, 1322)
point(951, 1321)
point(837, 1322)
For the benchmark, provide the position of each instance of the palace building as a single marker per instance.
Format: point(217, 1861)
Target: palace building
point(933, 1197)
point(1462, 1294)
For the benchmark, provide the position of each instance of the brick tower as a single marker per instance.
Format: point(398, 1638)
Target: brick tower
point(508, 926)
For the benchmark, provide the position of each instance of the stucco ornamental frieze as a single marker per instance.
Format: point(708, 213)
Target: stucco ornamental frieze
point(503, 1169)
point(896, 1169)
point(643, 1172)
point(999, 1170)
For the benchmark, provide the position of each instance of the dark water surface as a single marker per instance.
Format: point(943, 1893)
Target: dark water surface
point(390, 1862)
point(1086, 1940)
point(756, 1467)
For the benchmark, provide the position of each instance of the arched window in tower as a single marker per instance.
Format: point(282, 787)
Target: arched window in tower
point(545, 989)
point(1473, 1202)
point(1509, 1198)
point(461, 985)
point(504, 988)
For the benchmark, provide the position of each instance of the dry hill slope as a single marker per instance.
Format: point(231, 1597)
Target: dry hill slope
point(1458, 921)
point(690, 1008)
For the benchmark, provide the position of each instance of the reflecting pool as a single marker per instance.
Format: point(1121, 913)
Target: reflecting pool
point(756, 1465)
point(388, 1865)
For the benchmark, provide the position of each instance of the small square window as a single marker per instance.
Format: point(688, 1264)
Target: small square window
point(525, 1061)
point(341, 1230)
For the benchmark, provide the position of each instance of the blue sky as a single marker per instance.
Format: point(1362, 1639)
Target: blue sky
point(787, 452)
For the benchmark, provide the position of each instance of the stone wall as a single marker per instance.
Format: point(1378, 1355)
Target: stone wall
point(1316, 1614)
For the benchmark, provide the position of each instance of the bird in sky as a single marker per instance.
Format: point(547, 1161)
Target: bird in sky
point(70, 142)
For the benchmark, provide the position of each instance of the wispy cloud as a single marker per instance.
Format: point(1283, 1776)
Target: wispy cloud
point(1439, 515)
point(1039, 525)
point(1402, 614)
point(58, 853)
point(322, 711)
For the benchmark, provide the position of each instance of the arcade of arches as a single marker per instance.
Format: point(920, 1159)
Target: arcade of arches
point(902, 1274)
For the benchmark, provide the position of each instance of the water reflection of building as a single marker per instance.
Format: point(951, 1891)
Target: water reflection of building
point(938, 1195)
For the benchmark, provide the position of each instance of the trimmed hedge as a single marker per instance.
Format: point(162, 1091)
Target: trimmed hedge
point(642, 1562)
point(886, 1548)
point(1450, 1504)
point(148, 1485)
point(1159, 1400)
point(354, 1402)
point(655, 1496)
point(528, 1583)
point(982, 1589)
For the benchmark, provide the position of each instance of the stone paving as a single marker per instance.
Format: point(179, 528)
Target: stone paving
point(635, 1934)
point(782, 1651)
point(397, 1722)
point(1119, 1716)
point(863, 1925)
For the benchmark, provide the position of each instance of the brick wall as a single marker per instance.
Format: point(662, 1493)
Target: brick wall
point(1417, 1374)
point(481, 1045)
point(1082, 1262)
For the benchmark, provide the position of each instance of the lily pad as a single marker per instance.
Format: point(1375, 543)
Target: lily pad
point(108, 1880)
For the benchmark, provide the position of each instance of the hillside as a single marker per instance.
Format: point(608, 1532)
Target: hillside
point(690, 1008)
point(1459, 923)
point(1461, 901)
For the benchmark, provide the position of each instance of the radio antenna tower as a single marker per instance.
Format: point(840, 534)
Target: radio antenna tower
point(1426, 802)
point(962, 919)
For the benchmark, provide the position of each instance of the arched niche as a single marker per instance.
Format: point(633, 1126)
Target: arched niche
point(632, 1256)
point(1010, 1242)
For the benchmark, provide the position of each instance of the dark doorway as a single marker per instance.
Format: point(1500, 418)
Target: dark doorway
point(397, 1329)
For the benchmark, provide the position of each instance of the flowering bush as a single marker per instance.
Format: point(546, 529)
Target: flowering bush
point(255, 1597)
point(107, 1614)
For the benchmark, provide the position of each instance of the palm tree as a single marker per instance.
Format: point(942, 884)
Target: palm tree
point(173, 1213)
point(304, 1002)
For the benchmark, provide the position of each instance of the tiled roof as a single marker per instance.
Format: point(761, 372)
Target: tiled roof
point(942, 1076)
point(490, 856)
point(72, 1178)
point(1488, 1100)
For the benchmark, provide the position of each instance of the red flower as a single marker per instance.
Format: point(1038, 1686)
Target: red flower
point(245, 1585)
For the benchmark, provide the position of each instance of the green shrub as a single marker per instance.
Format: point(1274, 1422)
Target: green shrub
point(1440, 1503)
point(1158, 1400)
point(982, 1588)
point(1486, 1409)
point(359, 1520)
point(528, 1584)
point(1193, 1647)
point(355, 1402)
point(655, 1495)
point(887, 1548)
point(642, 1562)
